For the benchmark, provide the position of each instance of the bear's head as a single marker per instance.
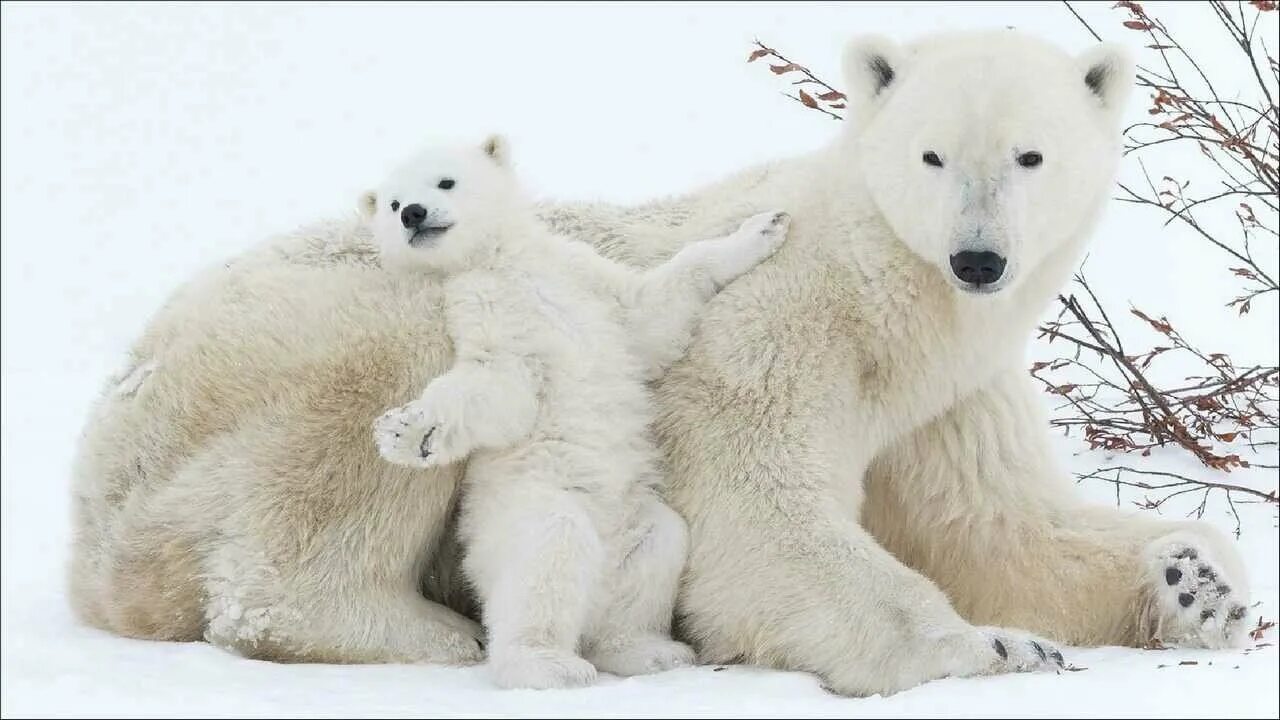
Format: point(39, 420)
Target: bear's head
point(986, 152)
point(445, 206)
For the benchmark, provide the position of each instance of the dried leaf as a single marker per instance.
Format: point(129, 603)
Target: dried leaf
point(781, 69)
point(807, 100)
point(833, 95)
point(757, 55)
point(1137, 25)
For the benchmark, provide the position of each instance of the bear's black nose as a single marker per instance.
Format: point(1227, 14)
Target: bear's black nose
point(979, 268)
point(413, 215)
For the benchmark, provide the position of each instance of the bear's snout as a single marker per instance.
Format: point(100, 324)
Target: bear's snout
point(978, 267)
point(413, 215)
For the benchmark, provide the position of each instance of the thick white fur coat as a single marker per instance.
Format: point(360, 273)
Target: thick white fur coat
point(851, 438)
point(564, 536)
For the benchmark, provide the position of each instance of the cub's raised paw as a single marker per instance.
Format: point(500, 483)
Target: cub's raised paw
point(753, 242)
point(1194, 601)
point(412, 435)
point(764, 233)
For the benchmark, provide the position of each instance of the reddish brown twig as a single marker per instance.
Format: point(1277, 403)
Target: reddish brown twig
point(1238, 140)
point(827, 101)
point(1119, 407)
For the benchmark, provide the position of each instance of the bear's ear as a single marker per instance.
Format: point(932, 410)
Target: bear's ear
point(871, 67)
point(1107, 73)
point(497, 147)
point(368, 203)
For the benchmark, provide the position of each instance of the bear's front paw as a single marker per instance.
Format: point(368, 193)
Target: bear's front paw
point(415, 436)
point(1017, 651)
point(752, 243)
point(1195, 603)
point(762, 234)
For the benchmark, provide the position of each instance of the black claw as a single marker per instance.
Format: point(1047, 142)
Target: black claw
point(1187, 554)
point(1223, 589)
point(426, 439)
point(1207, 573)
point(1185, 599)
point(1236, 613)
point(1205, 615)
point(1039, 650)
point(1172, 575)
point(1004, 654)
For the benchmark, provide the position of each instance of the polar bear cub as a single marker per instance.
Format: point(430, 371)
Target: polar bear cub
point(566, 541)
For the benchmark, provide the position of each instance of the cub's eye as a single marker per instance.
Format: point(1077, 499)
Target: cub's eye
point(1030, 159)
point(395, 205)
point(446, 184)
point(931, 158)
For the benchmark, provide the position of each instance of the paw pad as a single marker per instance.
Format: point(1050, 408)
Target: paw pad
point(1196, 602)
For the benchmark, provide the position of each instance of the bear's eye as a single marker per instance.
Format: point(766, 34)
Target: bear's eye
point(1030, 159)
point(446, 184)
point(395, 205)
point(931, 158)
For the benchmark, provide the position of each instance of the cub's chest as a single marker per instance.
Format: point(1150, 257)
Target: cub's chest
point(536, 313)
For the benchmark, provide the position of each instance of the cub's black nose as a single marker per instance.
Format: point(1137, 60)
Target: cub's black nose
point(413, 215)
point(979, 268)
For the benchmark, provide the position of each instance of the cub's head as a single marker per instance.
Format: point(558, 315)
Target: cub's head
point(986, 152)
point(443, 205)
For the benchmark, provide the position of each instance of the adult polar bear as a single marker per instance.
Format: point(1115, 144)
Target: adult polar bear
point(851, 438)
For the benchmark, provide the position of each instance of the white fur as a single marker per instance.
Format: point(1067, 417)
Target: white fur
point(564, 535)
point(862, 462)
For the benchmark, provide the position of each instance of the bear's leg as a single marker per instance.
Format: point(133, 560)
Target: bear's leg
point(974, 500)
point(308, 558)
point(344, 620)
point(333, 607)
point(632, 634)
point(669, 298)
point(534, 556)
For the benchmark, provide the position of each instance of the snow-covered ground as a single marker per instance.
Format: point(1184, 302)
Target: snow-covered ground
point(143, 142)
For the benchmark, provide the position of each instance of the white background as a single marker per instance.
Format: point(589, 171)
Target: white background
point(144, 142)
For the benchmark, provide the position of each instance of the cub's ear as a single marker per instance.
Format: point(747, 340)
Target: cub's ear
point(497, 147)
point(872, 66)
point(368, 203)
point(1107, 72)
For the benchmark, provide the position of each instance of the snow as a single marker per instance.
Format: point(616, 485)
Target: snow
point(143, 142)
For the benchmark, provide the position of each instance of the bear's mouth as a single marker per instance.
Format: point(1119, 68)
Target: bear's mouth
point(427, 234)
